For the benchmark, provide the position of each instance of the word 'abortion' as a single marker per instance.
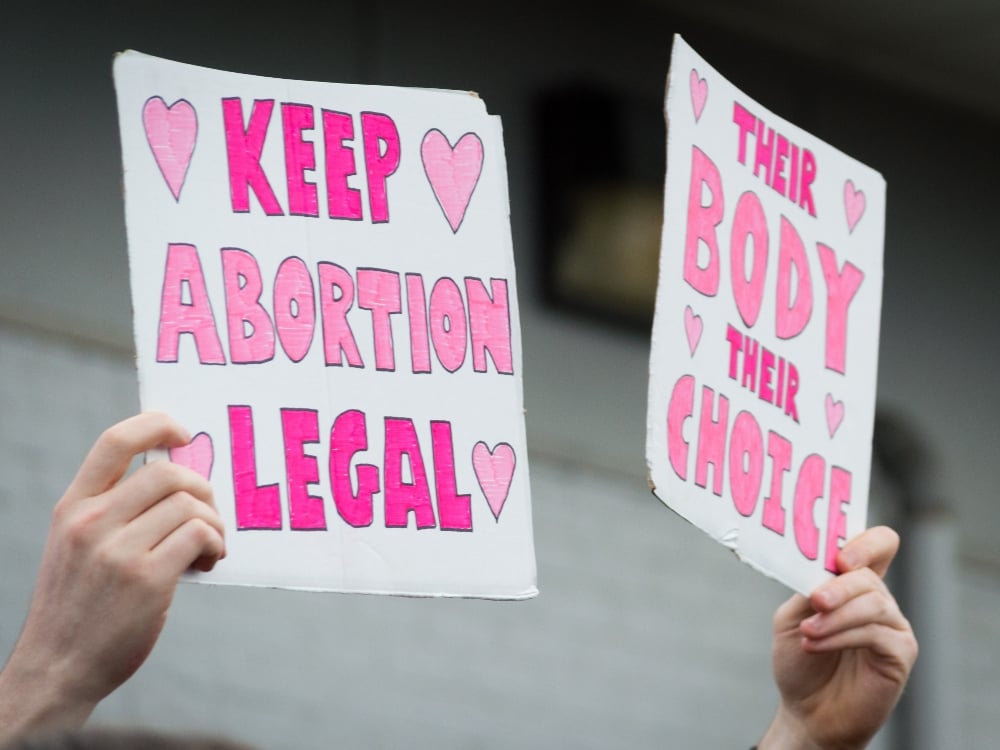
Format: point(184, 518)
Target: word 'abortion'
point(356, 313)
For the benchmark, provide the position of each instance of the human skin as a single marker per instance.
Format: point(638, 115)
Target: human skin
point(842, 656)
point(114, 553)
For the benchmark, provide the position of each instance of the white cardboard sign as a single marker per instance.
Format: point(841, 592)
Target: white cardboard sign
point(765, 339)
point(323, 287)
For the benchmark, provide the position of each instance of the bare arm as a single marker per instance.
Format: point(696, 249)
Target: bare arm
point(841, 657)
point(115, 551)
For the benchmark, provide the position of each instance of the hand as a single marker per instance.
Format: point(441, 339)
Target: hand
point(842, 656)
point(113, 556)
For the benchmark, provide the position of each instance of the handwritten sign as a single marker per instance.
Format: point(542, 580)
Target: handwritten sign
point(765, 339)
point(323, 286)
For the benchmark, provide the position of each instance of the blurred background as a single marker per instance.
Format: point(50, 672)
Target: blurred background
point(646, 634)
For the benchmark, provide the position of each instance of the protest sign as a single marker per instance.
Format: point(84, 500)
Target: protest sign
point(765, 338)
point(323, 288)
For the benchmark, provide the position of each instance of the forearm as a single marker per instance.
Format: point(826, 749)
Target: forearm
point(33, 697)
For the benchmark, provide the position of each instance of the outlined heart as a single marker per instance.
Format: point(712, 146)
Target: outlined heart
point(834, 414)
point(699, 94)
point(171, 132)
point(693, 327)
point(453, 172)
point(198, 454)
point(494, 472)
point(854, 204)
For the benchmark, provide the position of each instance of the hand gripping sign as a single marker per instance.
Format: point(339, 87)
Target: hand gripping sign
point(765, 339)
point(323, 285)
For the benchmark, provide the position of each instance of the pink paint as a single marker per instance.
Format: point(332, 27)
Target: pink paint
point(300, 157)
point(494, 471)
point(294, 308)
point(779, 450)
point(699, 93)
point(243, 151)
point(336, 295)
point(836, 525)
point(300, 427)
point(854, 205)
point(379, 292)
point(453, 172)
point(794, 309)
point(403, 497)
point(381, 143)
point(680, 408)
point(808, 489)
point(772, 153)
point(416, 308)
point(171, 132)
point(348, 437)
point(185, 308)
point(198, 455)
point(454, 509)
point(693, 326)
point(489, 325)
point(251, 332)
point(257, 507)
point(834, 414)
point(447, 324)
point(343, 201)
point(711, 440)
point(746, 463)
point(841, 286)
point(702, 220)
point(748, 222)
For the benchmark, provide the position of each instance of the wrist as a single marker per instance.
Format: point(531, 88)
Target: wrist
point(787, 732)
point(34, 696)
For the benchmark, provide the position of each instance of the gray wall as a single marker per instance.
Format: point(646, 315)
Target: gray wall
point(644, 631)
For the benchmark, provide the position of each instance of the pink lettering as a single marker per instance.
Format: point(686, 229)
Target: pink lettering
point(447, 322)
point(294, 308)
point(343, 201)
point(251, 333)
point(702, 220)
point(381, 144)
point(300, 157)
point(489, 325)
point(378, 292)
point(336, 295)
point(348, 437)
point(841, 286)
point(257, 507)
point(401, 496)
point(305, 511)
point(243, 150)
point(746, 463)
point(186, 308)
point(454, 510)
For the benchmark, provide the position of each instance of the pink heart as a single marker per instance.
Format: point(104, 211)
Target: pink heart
point(198, 454)
point(452, 172)
point(854, 204)
point(171, 133)
point(699, 94)
point(834, 414)
point(693, 327)
point(494, 471)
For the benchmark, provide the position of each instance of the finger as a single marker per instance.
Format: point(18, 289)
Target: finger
point(872, 607)
point(838, 591)
point(150, 528)
point(151, 484)
point(791, 612)
point(874, 548)
point(897, 644)
point(193, 542)
point(109, 458)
